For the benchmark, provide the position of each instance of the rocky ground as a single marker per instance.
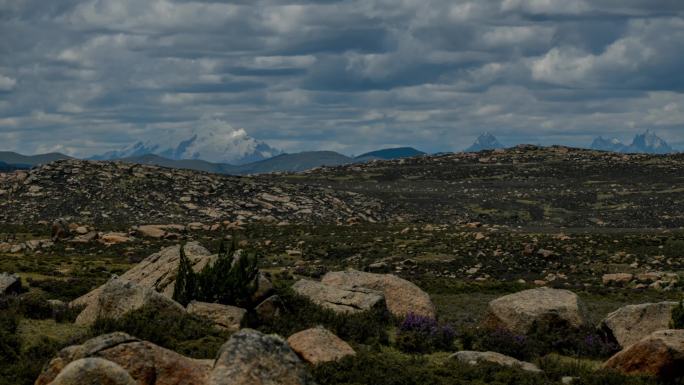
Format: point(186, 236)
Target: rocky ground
point(530, 265)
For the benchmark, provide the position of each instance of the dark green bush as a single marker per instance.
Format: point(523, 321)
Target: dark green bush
point(230, 280)
point(64, 290)
point(678, 316)
point(418, 334)
point(543, 339)
point(9, 341)
point(34, 305)
point(183, 333)
point(386, 367)
point(299, 314)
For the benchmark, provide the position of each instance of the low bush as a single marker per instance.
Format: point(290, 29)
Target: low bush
point(678, 316)
point(418, 334)
point(183, 333)
point(299, 314)
point(64, 290)
point(543, 339)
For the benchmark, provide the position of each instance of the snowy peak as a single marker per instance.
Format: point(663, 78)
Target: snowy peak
point(486, 141)
point(212, 140)
point(603, 144)
point(647, 143)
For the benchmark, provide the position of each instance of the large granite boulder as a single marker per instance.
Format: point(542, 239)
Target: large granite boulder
point(341, 300)
point(631, 323)
point(9, 284)
point(253, 358)
point(660, 354)
point(93, 371)
point(318, 345)
point(146, 363)
point(401, 296)
point(225, 317)
point(518, 312)
point(475, 358)
point(118, 297)
point(158, 271)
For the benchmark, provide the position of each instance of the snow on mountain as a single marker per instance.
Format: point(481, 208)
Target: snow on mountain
point(603, 144)
point(212, 140)
point(646, 143)
point(486, 141)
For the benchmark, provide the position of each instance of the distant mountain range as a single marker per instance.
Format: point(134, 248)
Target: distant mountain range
point(486, 141)
point(391, 153)
point(214, 142)
point(646, 143)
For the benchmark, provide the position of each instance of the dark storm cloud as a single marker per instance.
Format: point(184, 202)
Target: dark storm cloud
point(85, 76)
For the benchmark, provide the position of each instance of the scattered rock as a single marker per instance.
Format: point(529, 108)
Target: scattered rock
point(145, 362)
point(350, 300)
point(270, 308)
point(223, 316)
point(60, 230)
point(252, 358)
point(630, 324)
point(93, 371)
point(617, 279)
point(158, 271)
point(118, 297)
point(114, 238)
point(9, 284)
point(402, 297)
point(660, 354)
point(519, 311)
point(474, 358)
point(318, 345)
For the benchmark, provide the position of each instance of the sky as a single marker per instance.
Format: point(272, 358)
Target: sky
point(87, 76)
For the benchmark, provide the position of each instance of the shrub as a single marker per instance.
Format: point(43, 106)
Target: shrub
point(300, 313)
point(678, 316)
point(543, 339)
point(34, 305)
point(184, 333)
point(230, 280)
point(9, 341)
point(418, 334)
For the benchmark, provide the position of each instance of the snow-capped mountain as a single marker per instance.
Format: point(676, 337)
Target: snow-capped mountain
point(213, 141)
point(649, 143)
point(603, 144)
point(485, 141)
point(646, 143)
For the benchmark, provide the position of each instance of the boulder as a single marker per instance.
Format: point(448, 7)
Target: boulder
point(474, 358)
point(114, 238)
point(60, 229)
point(270, 308)
point(318, 345)
point(223, 316)
point(158, 271)
point(660, 354)
point(264, 289)
point(93, 371)
point(519, 311)
point(350, 300)
point(9, 284)
point(402, 297)
point(149, 231)
point(145, 362)
point(119, 297)
point(617, 279)
point(630, 324)
point(253, 358)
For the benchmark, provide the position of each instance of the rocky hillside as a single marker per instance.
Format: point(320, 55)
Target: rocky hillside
point(120, 194)
point(522, 186)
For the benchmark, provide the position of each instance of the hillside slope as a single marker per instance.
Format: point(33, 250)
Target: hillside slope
point(120, 193)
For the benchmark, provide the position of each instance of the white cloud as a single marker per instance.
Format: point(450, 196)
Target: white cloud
point(546, 6)
point(7, 83)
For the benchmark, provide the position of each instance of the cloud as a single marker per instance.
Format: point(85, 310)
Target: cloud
point(7, 83)
point(96, 75)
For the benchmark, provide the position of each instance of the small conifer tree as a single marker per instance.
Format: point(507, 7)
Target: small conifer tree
point(231, 280)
